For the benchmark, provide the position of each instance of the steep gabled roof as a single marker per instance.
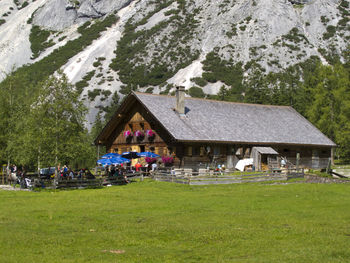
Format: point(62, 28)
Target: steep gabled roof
point(210, 120)
point(218, 121)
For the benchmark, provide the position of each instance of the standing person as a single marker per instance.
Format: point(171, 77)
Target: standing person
point(71, 173)
point(283, 162)
point(138, 166)
point(65, 171)
point(154, 166)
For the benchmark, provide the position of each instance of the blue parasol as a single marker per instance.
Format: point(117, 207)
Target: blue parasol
point(110, 155)
point(115, 160)
point(130, 155)
point(148, 154)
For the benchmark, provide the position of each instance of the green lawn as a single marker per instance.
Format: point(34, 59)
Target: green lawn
point(164, 222)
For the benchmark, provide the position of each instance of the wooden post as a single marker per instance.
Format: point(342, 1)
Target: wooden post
point(3, 174)
point(298, 160)
point(141, 177)
point(332, 155)
point(329, 166)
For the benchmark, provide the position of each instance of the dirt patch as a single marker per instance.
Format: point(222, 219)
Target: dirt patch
point(118, 251)
point(11, 188)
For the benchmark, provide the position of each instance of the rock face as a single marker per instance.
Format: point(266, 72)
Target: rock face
point(178, 35)
point(60, 14)
point(55, 15)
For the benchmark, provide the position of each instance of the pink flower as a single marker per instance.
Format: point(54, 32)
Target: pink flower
point(139, 134)
point(167, 159)
point(128, 134)
point(150, 133)
point(150, 160)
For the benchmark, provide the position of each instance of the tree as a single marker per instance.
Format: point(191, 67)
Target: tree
point(330, 108)
point(113, 106)
point(55, 131)
point(13, 106)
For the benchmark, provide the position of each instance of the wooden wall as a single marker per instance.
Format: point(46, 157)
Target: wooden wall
point(138, 123)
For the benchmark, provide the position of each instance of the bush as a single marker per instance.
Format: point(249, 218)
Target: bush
point(93, 94)
point(24, 4)
point(331, 30)
point(196, 92)
point(200, 81)
point(38, 40)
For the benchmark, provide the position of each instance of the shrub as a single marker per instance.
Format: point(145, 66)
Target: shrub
point(200, 81)
point(196, 92)
point(331, 30)
point(93, 94)
point(24, 4)
point(38, 40)
point(96, 64)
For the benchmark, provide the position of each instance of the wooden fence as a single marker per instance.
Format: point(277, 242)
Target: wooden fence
point(195, 178)
point(181, 176)
point(77, 183)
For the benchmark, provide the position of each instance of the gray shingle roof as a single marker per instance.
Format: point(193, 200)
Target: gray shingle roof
point(265, 150)
point(209, 120)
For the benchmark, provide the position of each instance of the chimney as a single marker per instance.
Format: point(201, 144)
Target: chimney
point(180, 100)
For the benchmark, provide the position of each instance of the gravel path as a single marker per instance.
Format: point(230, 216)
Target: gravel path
point(11, 188)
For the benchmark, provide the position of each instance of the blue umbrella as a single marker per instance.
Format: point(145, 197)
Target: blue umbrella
point(110, 155)
point(119, 160)
point(104, 162)
point(148, 154)
point(115, 160)
point(130, 155)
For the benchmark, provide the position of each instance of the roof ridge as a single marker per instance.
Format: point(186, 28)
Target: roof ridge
point(212, 100)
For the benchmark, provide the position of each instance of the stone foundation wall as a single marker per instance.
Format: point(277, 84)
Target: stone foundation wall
point(324, 180)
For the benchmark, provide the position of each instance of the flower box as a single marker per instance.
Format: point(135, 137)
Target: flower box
point(128, 134)
point(139, 135)
point(167, 159)
point(150, 160)
point(150, 135)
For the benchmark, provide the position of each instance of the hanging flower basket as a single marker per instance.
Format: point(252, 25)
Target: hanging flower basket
point(150, 135)
point(128, 134)
point(168, 160)
point(150, 160)
point(139, 135)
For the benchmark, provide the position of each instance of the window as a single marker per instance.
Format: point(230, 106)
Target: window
point(202, 151)
point(216, 150)
point(195, 151)
point(189, 151)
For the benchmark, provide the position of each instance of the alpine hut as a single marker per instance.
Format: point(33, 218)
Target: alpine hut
point(191, 132)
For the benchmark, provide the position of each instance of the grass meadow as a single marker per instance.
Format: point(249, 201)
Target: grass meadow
point(163, 222)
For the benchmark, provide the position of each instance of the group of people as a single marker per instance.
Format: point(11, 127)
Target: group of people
point(138, 167)
point(67, 173)
point(220, 168)
point(17, 176)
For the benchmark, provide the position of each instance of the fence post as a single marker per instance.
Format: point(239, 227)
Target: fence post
point(141, 177)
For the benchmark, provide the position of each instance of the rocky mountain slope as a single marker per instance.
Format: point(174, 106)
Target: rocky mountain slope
point(153, 45)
